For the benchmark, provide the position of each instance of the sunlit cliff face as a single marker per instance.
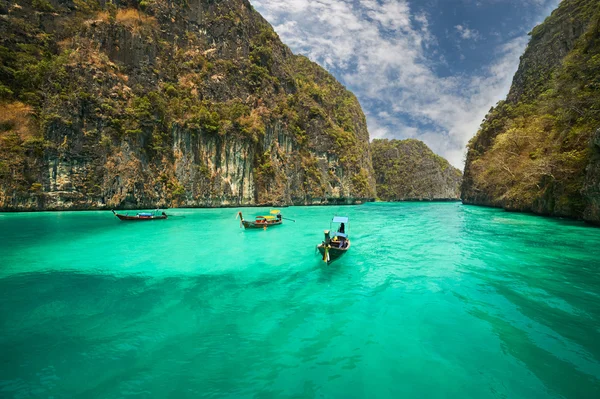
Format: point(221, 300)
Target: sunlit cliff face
point(169, 105)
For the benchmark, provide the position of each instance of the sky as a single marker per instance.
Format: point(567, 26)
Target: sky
point(424, 69)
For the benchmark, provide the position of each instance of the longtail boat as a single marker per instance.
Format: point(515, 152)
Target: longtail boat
point(141, 216)
point(261, 222)
point(335, 244)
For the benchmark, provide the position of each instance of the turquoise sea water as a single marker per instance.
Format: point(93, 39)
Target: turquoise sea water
point(434, 300)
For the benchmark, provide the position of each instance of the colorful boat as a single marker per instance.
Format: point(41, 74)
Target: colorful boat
point(262, 222)
point(335, 244)
point(142, 216)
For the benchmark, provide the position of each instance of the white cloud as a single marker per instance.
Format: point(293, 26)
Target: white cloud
point(382, 51)
point(466, 33)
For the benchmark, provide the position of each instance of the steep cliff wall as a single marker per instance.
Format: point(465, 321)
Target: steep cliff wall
point(168, 103)
point(407, 170)
point(538, 151)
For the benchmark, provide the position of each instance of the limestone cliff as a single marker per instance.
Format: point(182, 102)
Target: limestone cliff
point(538, 150)
point(407, 170)
point(159, 103)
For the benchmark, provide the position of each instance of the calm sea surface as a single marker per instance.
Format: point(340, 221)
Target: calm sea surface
point(432, 301)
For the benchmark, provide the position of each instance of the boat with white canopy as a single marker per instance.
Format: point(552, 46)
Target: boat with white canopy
point(337, 243)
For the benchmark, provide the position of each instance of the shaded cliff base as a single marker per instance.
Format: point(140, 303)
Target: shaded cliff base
point(425, 200)
point(589, 222)
point(74, 202)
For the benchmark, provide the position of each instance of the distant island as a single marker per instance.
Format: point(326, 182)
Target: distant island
point(407, 170)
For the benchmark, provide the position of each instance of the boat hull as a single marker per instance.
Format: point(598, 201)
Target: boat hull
point(139, 218)
point(334, 253)
point(253, 225)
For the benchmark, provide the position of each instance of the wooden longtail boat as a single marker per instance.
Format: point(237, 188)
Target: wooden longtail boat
point(141, 216)
point(261, 222)
point(337, 244)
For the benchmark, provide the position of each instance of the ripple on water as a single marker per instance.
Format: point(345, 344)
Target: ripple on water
point(433, 300)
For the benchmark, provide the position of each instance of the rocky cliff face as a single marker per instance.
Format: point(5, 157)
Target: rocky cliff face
point(407, 170)
point(538, 150)
point(158, 103)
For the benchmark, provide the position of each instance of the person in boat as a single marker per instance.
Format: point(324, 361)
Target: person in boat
point(342, 229)
point(337, 242)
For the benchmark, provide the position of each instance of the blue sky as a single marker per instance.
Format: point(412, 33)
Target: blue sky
point(425, 69)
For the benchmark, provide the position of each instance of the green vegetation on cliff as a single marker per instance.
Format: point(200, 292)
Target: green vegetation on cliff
point(408, 170)
point(536, 151)
point(167, 102)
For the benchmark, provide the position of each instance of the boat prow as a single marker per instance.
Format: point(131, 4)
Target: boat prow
point(330, 253)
